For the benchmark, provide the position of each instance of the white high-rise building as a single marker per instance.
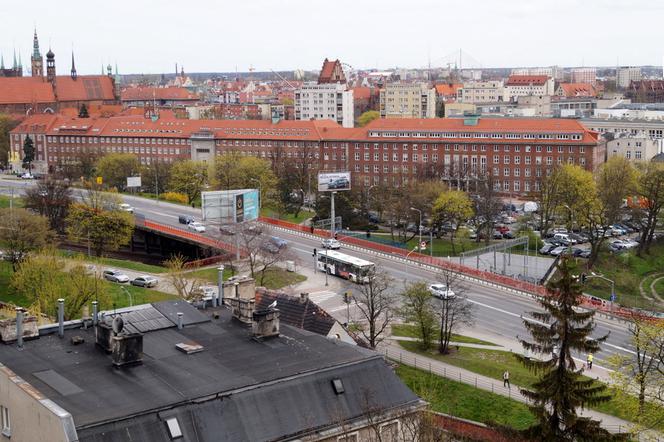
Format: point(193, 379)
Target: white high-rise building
point(330, 101)
point(584, 75)
point(626, 74)
point(407, 100)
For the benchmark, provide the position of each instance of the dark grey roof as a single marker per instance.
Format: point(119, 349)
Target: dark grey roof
point(232, 381)
point(292, 311)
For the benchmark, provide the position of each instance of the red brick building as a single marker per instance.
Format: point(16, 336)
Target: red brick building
point(516, 153)
point(159, 96)
point(331, 72)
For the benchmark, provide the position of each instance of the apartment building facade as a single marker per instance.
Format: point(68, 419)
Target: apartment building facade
point(514, 152)
point(327, 101)
point(407, 100)
point(523, 85)
point(481, 92)
point(584, 75)
point(626, 74)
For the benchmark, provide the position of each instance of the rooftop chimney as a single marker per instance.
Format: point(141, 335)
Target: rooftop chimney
point(19, 327)
point(125, 348)
point(265, 323)
point(61, 317)
point(304, 297)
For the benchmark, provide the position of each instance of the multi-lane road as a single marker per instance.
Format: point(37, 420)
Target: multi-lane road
point(497, 312)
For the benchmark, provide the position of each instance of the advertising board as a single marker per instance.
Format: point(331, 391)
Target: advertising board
point(332, 182)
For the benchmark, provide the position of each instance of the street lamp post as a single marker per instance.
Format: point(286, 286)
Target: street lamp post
point(419, 227)
point(220, 289)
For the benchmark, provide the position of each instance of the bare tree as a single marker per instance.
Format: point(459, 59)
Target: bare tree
point(51, 199)
point(452, 308)
point(376, 305)
point(262, 250)
point(185, 287)
point(487, 206)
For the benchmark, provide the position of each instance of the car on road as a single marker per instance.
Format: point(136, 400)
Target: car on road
point(126, 208)
point(441, 291)
point(114, 275)
point(27, 176)
point(196, 227)
point(274, 244)
point(185, 219)
point(331, 244)
point(546, 248)
point(145, 281)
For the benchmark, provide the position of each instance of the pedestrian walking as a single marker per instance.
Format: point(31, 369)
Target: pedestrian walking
point(589, 360)
point(506, 379)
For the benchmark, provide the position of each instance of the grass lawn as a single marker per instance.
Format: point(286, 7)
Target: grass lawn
point(290, 217)
point(443, 246)
point(627, 270)
point(275, 278)
point(139, 295)
point(465, 401)
point(492, 363)
point(7, 293)
point(4, 202)
point(410, 331)
point(119, 263)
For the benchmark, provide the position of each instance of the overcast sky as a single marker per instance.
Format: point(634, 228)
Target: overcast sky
point(150, 36)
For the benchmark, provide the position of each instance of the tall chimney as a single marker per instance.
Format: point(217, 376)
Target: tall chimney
point(19, 327)
point(180, 325)
point(94, 312)
point(61, 317)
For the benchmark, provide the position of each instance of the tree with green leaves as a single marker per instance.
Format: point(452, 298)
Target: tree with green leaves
point(367, 117)
point(22, 232)
point(453, 207)
point(234, 171)
point(650, 188)
point(562, 329)
point(7, 123)
point(417, 309)
point(188, 177)
point(114, 168)
point(83, 111)
point(103, 227)
point(156, 176)
point(28, 152)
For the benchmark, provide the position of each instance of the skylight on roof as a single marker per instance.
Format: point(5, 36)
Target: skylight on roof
point(174, 428)
point(338, 386)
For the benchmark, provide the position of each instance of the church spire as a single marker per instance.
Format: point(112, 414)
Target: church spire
point(2, 61)
point(35, 47)
point(36, 60)
point(14, 65)
point(73, 67)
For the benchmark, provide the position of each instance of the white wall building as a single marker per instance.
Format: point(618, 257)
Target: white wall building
point(634, 148)
point(481, 92)
point(407, 100)
point(626, 74)
point(330, 101)
point(584, 75)
point(523, 85)
point(554, 72)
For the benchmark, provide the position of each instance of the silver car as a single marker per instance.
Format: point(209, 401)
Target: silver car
point(115, 276)
point(145, 281)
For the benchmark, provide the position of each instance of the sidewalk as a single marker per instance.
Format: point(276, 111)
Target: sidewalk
point(396, 353)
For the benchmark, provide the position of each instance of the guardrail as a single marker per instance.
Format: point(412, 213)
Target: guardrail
point(192, 236)
point(470, 274)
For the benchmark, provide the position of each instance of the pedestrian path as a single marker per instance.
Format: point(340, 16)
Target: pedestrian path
point(392, 351)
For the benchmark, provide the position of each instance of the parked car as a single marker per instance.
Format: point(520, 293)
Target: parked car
point(509, 235)
point(441, 291)
point(185, 219)
point(126, 208)
point(196, 226)
point(274, 244)
point(616, 231)
point(27, 176)
point(331, 244)
point(558, 251)
point(115, 276)
point(145, 281)
point(226, 230)
point(559, 230)
point(585, 254)
point(546, 248)
point(204, 291)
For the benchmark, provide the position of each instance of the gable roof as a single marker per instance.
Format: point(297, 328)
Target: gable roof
point(525, 80)
point(84, 88)
point(448, 88)
point(18, 90)
point(296, 312)
point(577, 90)
point(331, 72)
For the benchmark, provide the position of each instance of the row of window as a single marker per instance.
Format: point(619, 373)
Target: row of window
point(464, 147)
point(116, 140)
point(504, 186)
point(116, 149)
point(512, 136)
point(507, 159)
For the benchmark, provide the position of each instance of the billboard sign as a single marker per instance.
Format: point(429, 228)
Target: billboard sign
point(230, 206)
point(332, 182)
point(133, 181)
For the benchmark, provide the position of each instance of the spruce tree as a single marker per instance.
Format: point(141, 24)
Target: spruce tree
point(561, 388)
point(83, 111)
point(28, 152)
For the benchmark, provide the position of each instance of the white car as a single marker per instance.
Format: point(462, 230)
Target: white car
point(441, 291)
point(126, 208)
point(115, 276)
point(196, 226)
point(331, 244)
point(27, 176)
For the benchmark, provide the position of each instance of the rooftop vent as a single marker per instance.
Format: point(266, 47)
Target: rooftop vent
point(189, 347)
point(174, 428)
point(338, 386)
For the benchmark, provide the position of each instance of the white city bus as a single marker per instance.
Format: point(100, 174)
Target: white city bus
point(345, 266)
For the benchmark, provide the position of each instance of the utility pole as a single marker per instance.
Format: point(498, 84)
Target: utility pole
point(332, 217)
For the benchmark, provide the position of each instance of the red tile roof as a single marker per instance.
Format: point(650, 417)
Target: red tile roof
point(157, 93)
point(328, 71)
point(448, 88)
point(84, 88)
point(524, 80)
point(19, 90)
point(361, 93)
point(578, 90)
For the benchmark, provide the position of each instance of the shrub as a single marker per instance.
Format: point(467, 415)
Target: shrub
point(176, 197)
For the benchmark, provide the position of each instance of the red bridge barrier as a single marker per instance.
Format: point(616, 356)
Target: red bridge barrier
point(192, 236)
point(441, 263)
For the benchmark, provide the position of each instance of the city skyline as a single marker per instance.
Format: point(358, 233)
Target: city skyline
point(284, 36)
